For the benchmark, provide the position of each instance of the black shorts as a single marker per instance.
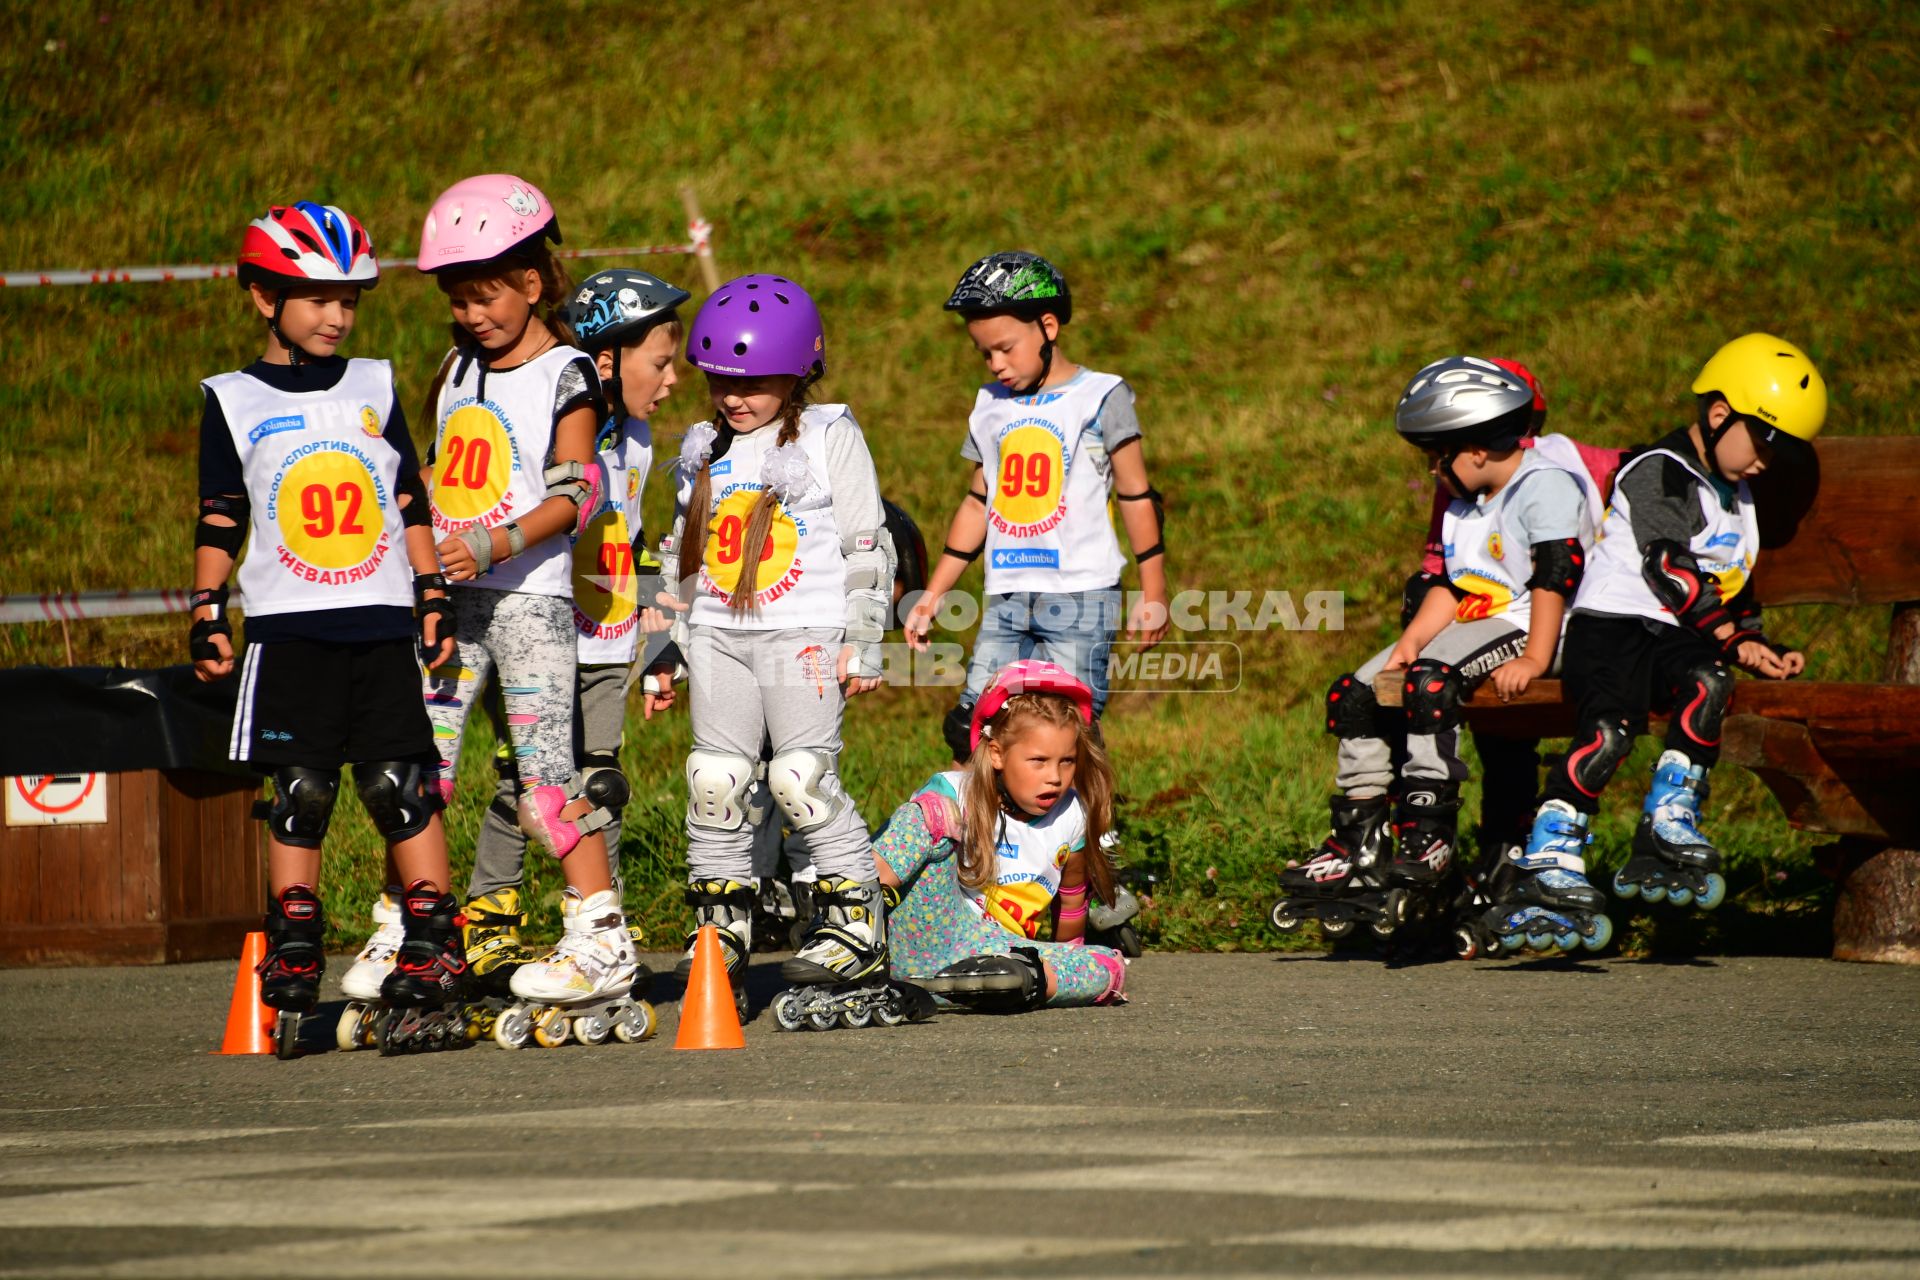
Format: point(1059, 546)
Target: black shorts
point(1616, 666)
point(322, 704)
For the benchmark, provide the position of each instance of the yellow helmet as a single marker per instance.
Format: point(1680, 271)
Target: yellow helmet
point(1769, 382)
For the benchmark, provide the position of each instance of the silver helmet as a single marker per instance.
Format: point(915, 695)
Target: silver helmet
point(1462, 401)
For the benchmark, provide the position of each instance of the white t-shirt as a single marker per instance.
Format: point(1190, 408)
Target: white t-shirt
point(606, 603)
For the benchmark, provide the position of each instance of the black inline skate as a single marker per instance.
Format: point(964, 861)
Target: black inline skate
point(842, 967)
point(1342, 883)
point(422, 1001)
point(1013, 983)
point(1671, 860)
point(291, 970)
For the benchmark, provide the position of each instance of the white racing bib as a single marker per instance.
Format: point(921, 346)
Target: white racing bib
point(1047, 522)
point(320, 475)
point(1726, 548)
point(1488, 556)
point(802, 578)
point(488, 458)
point(1028, 860)
point(606, 603)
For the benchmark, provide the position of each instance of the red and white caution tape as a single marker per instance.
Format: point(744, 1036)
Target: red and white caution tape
point(71, 606)
point(702, 233)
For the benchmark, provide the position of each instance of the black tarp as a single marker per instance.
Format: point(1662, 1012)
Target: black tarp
point(113, 720)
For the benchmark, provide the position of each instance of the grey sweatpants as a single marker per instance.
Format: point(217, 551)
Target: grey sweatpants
point(750, 687)
point(1473, 649)
point(599, 719)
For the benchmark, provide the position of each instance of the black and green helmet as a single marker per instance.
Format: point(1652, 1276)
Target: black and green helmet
point(1014, 283)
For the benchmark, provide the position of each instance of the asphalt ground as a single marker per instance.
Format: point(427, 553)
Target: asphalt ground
point(1244, 1115)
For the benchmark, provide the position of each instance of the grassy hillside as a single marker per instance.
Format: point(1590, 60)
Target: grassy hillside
point(1269, 218)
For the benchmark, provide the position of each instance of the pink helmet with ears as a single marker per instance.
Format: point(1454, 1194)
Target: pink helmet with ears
point(479, 219)
point(1029, 675)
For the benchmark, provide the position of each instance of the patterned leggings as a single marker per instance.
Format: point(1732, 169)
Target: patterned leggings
point(935, 923)
point(528, 641)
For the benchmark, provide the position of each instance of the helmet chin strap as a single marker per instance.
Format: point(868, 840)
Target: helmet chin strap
point(273, 326)
point(1453, 480)
point(1711, 435)
point(1046, 361)
point(616, 403)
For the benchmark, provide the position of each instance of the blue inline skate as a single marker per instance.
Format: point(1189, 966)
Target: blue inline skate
point(1671, 859)
point(1541, 898)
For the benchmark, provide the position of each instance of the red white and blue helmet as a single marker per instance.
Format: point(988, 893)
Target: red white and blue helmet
point(307, 243)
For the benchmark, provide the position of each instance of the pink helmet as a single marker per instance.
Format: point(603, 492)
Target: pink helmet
point(1028, 675)
point(304, 243)
point(479, 219)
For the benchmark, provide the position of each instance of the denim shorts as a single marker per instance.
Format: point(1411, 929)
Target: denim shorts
point(1074, 629)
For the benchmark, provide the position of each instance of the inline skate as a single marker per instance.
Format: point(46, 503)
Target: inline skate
point(1013, 983)
point(422, 1002)
point(1342, 883)
point(290, 972)
point(841, 969)
point(728, 905)
point(1671, 859)
point(1538, 896)
point(585, 990)
point(361, 983)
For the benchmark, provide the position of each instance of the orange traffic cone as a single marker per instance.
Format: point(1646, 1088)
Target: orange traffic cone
point(708, 1019)
point(249, 1021)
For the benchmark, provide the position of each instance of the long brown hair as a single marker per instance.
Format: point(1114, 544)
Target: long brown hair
point(975, 860)
point(693, 533)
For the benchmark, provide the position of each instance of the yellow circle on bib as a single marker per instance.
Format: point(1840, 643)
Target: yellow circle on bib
point(604, 589)
point(472, 464)
point(1032, 469)
point(728, 527)
point(327, 511)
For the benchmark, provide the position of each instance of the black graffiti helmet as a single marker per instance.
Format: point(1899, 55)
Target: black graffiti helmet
point(1015, 283)
point(1463, 401)
point(612, 304)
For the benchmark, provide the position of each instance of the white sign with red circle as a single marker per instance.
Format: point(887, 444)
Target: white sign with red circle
point(56, 799)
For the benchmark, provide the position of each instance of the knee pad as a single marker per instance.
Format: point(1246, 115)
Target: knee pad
point(1433, 696)
point(1598, 748)
point(396, 796)
point(957, 729)
point(1700, 701)
point(1351, 709)
point(602, 782)
point(302, 805)
point(806, 788)
point(540, 819)
point(718, 788)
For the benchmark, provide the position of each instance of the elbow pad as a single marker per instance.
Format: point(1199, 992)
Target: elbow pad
point(224, 537)
point(1683, 588)
point(867, 571)
point(416, 513)
point(1558, 566)
point(584, 484)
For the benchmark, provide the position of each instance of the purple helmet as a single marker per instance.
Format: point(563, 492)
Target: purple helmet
point(758, 325)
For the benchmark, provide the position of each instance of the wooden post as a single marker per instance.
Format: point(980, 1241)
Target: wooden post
point(1876, 916)
point(700, 231)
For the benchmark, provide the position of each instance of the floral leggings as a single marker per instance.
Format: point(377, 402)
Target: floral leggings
point(936, 923)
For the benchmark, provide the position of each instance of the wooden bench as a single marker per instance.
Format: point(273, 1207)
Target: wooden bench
point(1841, 758)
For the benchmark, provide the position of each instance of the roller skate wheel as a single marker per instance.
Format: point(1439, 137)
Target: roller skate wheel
point(286, 1034)
point(1680, 896)
point(854, 1019)
point(513, 1028)
point(637, 1022)
point(891, 1012)
point(550, 1028)
point(1714, 893)
point(1465, 945)
point(822, 1019)
point(1512, 941)
point(592, 1029)
point(1602, 934)
point(740, 1003)
point(1382, 929)
point(1282, 918)
point(788, 1012)
point(346, 1032)
point(1653, 892)
point(1540, 942)
point(1567, 941)
point(1623, 888)
point(1336, 928)
point(386, 1037)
